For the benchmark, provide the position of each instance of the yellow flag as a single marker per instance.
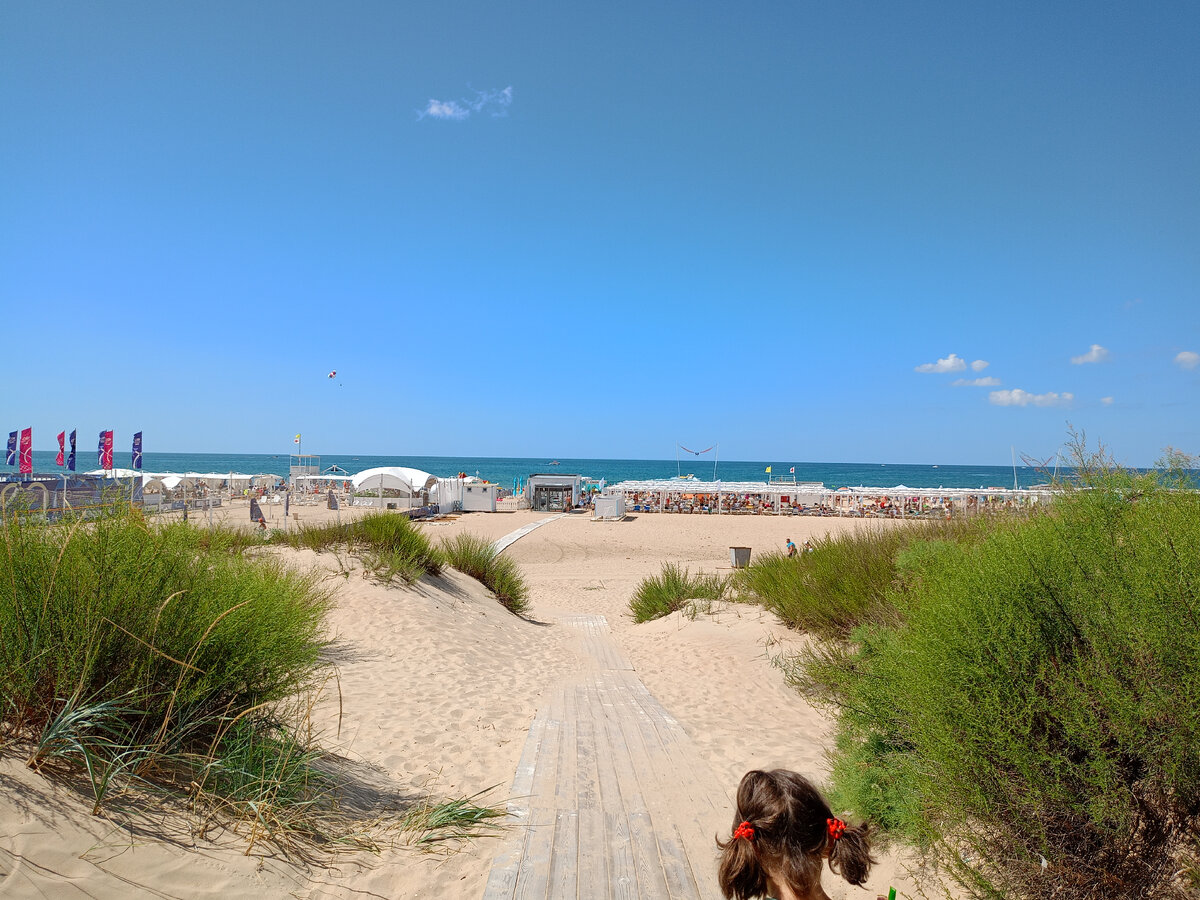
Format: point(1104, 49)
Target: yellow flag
point(768, 470)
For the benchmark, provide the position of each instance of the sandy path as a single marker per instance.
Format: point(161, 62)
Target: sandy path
point(714, 674)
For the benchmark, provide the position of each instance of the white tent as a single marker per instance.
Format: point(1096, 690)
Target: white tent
point(116, 473)
point(399, 478)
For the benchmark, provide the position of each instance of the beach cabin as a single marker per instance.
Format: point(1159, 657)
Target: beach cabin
point(479, 496)
point(553, 492)
point(610, 506)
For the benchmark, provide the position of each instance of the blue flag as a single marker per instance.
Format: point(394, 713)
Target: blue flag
point(137, 450)
point(71, 455)
point(11, 458)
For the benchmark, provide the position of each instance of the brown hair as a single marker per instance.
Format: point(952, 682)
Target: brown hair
point(791, 838)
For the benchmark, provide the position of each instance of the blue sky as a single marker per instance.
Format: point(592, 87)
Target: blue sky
point(798, 230)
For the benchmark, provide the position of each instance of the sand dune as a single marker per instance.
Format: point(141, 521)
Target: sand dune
point(439, 685)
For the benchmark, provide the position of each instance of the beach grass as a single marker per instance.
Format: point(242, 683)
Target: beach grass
point(673, 589)
point(387, 544)
point(432, 824)
point(163, 662)
point(1029, 718)
point(500, 574)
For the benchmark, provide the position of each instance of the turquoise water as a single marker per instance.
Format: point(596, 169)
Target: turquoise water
point(503, 470)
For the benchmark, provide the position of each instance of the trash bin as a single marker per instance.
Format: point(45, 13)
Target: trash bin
point(739, 557)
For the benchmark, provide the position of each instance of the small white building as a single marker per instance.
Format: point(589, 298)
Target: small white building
point(610, 506)
point(479, 496)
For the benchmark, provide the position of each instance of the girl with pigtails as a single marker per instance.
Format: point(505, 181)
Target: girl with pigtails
point(783, 833)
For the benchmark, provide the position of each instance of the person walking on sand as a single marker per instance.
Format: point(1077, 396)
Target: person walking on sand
point(783, 833)
point(791, 548)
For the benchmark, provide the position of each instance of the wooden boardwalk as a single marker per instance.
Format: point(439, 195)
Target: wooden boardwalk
point(513, 536)
point(610, 798)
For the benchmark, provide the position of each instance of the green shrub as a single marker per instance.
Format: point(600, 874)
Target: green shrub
point(478, 558)
point(845, 581)
point(1039, 700)
point(673, 589)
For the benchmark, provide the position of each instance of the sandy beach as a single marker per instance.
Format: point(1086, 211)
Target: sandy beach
point(439, 686)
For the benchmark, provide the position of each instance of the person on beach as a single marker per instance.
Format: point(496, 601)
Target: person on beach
point(791, 548)
point(808, 547)
point(783, 832)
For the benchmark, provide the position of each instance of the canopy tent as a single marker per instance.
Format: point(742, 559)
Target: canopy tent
point(117, 473)
point(398, 478)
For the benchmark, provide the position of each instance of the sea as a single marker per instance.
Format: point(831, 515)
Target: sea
point(504, 470)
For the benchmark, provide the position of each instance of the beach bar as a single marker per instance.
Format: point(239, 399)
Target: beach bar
point(550, 492)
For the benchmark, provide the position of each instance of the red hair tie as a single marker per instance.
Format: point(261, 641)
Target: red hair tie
point(836, 828)
point(745, 830)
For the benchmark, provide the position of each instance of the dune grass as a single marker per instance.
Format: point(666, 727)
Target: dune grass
point(389, 546)
point(1034, 697)
point(163, 662)
point(478, 558)
point(673, 589)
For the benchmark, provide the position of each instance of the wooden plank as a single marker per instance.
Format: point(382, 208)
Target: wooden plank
point(534, 871)
point(671, 763)
point(564, 858)
point(647, 864)
point(618, 852)
point(622, 873)
point(593, 869)
point(563, 878)
point(654, 779)
point(587, 765)
point(502, 879)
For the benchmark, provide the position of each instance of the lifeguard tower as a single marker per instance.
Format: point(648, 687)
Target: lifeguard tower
point(303, 464)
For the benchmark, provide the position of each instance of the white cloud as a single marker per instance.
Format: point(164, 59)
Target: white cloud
point(952, 363)
point(1107, 401)
point(493, 102)
point(1018, 397)
point(1095, 355)
point(444, 109)
point(1186, 359)
point(987, 381)
point(979, 365)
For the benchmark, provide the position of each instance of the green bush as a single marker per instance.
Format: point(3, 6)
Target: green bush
point(1039, 700)
point(478, 558)
point(673, 589)
point(845, 581)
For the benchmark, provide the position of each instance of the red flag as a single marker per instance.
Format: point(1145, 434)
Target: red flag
point(106, 453)
point(26, 451)
point(62, 448)
point(792, 470)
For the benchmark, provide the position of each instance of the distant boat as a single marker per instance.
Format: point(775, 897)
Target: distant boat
point(554, 462)
point(688, 477)
point(937, 467)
